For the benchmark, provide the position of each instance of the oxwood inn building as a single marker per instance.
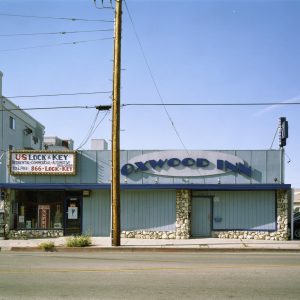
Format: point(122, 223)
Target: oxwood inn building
point(165, 194)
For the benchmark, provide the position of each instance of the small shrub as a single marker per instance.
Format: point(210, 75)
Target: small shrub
point(47, 246)
point(79, 241)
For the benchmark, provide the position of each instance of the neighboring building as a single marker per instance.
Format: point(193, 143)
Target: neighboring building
point(18, 130)
point(296, 200)
point(56, 143)
point(164, 194)
point(99, 144)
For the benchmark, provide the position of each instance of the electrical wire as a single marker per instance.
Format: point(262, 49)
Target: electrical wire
point(274, 137)
point(50, 108)
point(107, 112)
point(141, 104)
point(289, 159)
point(153, 79)
point(158, 104)
point(59, 95)
point(53, 33)
point(84, 141)
point(213, 104)
point(92, 129)
point(55, 18)
point(55, 45)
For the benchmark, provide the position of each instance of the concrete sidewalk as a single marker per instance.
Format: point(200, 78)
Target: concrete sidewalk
point(104, 243)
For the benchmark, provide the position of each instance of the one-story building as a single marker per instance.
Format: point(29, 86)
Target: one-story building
point(169, 194)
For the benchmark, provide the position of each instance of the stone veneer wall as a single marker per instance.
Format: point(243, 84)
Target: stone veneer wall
point(7, 208)
point(35, 233)
point(183, 214)
point(281, 234)
point(183, 221)
point(144, 234)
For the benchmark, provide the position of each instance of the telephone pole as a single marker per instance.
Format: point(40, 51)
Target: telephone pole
point(115, 186)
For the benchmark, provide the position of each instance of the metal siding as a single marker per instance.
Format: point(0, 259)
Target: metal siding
point(52, 179)
point(94, 167)
point(88, 170)
point(201, 214)
point(144, 210)
point(259, 166)
point(77, 177)
point(96, 214)
point(253, 210)
point(246, 156)
point(104, 166)
point(273, 166)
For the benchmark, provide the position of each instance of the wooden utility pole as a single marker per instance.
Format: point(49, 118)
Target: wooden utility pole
point(115, 186)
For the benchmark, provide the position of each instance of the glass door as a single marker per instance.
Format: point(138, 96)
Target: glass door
point(73, 215)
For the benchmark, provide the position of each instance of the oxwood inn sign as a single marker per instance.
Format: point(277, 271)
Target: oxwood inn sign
point(189, 163)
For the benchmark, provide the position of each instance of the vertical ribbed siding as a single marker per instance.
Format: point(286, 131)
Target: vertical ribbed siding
point(244, 211)
point(148, 210)
point(96, 214)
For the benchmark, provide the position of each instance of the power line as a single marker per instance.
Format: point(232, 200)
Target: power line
point(213, 104)
point(88, 135)
point(50, 108)
point(53, 33)
point(158, 104)
point(54, 45)
point(152, 77)
point(150, 104)
point(55, 18)
point(274, 137)
point(92, 128)
point(59, 95)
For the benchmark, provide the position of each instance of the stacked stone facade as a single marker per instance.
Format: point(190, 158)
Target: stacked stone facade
point(183, 214)
point(35, 233)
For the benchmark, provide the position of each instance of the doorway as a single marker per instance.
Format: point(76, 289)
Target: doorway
point(201, 216)
point(73, 219)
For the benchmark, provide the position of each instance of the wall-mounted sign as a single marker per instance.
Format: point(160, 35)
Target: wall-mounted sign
point(25, 162)
point(183, 164)
point(72, 212)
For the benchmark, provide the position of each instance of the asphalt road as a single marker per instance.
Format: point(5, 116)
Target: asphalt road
point(138, 275)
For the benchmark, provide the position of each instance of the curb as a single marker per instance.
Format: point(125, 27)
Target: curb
point(148, 249)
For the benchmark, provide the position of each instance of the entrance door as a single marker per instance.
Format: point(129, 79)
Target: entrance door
point(73, 216)
point(201, 216)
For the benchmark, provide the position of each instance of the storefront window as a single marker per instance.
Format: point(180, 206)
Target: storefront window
point(38, 209)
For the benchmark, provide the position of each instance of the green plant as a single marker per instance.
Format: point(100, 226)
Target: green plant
point(47, 246)
point(79, 241)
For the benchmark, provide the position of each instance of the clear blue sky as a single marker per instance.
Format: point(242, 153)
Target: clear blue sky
point(198, 52)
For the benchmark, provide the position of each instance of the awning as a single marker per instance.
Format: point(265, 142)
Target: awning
point(124, 186)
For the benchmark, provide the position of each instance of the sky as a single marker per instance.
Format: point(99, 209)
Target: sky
point(172, 52)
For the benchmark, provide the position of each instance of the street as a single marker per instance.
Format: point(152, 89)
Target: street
point(146, 275)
